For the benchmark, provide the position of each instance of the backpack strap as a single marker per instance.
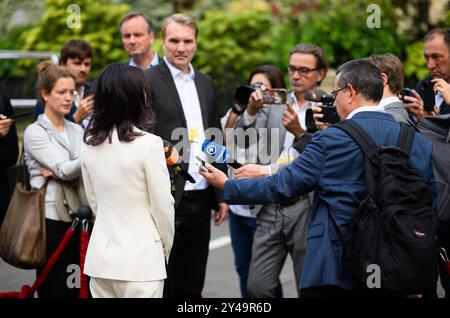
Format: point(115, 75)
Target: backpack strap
point(368, 146)
point(358, 134)
point(405, 137)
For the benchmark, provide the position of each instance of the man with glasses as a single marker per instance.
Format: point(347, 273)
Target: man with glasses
point(280, 229)
point(333, 166)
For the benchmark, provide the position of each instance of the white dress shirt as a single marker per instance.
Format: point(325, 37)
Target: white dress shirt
point(187, 92)
point(377, 108)
point(153, 62)
point(389, 100)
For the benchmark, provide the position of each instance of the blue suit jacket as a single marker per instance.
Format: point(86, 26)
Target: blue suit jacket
point(332, 165)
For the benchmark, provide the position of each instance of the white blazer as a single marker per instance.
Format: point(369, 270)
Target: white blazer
point(128, 188)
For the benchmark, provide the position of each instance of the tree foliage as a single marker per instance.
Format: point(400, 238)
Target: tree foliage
point(341, 27)
point(231, 42)
point(99, 25)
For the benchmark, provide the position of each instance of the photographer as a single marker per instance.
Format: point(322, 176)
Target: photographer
point(9, 151)
point(76, 56)
point(277, 127)
point(428, 99)
point(391, 71)
point(241, 217)
point(333, 165)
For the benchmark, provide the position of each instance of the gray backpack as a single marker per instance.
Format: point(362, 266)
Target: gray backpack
point(437, 130)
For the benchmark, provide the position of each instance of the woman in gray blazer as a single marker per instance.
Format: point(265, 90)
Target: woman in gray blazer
point(128, 187)
point(52, 150)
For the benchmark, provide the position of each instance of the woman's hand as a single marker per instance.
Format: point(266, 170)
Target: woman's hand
point(255, 102)
point(47, 173)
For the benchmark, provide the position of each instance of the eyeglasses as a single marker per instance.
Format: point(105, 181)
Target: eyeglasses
point(301, 70)
point(335, 93)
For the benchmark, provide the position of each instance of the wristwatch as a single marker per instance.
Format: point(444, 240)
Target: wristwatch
point(237, 109)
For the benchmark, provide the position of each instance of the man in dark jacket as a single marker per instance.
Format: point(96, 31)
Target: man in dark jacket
point(9, 151)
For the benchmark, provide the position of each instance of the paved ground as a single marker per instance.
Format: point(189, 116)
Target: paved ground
point(221, 277)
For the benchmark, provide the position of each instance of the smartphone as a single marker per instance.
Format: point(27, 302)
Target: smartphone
point(21, 115)
point(330, 115)
point(406, 92)
point(201, 163)
point(277, 96)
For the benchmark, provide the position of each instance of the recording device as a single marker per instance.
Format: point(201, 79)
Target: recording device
point(201, 164)
point(88, 89)
point(320, 96)
point(21, 115)
point(274, 96)
point(219, 154)
point(172, 156)
point(406, 92)
point(330, 115)
point(242, 95)
point(426, 85)
point(329, 112)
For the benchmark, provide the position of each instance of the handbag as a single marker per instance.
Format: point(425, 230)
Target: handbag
point(22, 235)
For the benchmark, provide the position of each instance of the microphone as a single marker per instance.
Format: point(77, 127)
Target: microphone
point(314, 96)
point(320, 96)
point(172, 156)
point(219, 154)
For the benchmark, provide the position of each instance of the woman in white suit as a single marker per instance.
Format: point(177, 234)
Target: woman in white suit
point(128, 187)
point(52, 151)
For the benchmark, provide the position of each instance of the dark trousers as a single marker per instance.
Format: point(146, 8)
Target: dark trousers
point(242, 231)
point(59, 283)
point(187, 262)
point(444, 241)
point(329, 291)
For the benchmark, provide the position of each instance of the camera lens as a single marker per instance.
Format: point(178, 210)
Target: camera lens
point(242, 94)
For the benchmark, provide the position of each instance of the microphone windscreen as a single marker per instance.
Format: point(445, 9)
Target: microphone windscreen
point(216, 152)
point(171, 153)
point(314, 96)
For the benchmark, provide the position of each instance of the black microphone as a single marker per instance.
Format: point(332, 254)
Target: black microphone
point(171, 154)
point(219, 154)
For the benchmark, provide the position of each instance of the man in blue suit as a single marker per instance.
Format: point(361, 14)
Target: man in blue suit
point(333, 166)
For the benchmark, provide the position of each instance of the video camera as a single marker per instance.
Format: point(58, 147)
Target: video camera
point(329, 112)
point(242, 95)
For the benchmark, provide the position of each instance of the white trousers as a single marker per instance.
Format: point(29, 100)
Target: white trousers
point(109, 288)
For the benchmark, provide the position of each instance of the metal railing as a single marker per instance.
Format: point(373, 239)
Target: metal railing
point(22, 55)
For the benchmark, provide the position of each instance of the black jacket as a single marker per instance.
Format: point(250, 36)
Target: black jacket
point(170, 115)
point(425, 90)
point(9, 151)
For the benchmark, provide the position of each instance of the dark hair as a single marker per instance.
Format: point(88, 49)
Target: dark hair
point(121, 100)
point(273, 73)
point(75, 49)
point(49, 74)
point(363, 76)
point(445, 33)
point(390, 65)
point(132, 15)
point(319, 54)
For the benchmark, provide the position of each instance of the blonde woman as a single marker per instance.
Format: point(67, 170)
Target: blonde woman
point(52, 150)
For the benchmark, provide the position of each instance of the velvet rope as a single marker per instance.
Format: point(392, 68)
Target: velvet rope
point(83, 249)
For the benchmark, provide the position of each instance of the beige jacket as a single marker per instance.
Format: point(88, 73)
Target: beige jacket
point(128, 187)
